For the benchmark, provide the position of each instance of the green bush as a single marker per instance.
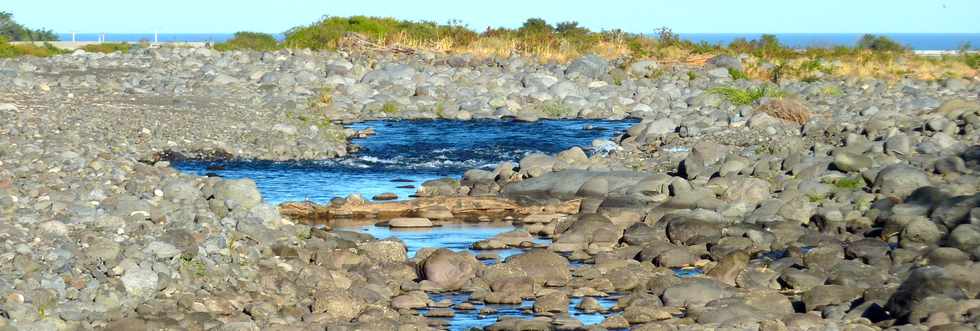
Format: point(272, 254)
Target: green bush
point(8, 50)
point(245, 40)
point(16, 32)
point(326, 33)
point(880, 44)
point(107, 47)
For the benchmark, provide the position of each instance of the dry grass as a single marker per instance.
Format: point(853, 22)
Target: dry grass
point(787, 109)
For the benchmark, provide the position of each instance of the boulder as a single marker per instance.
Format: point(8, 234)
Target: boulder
point(450, 270)
point(900, 180)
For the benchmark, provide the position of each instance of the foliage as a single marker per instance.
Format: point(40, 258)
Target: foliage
point(16, 32)
point(327, 33)
point(747, 96)
point(244, 40)
point(8, 50)
point(969, 56)
point(390, 108)
point(554, 109)
point(737, 74)
point(849, 183)
point(107, 47)
point(880, 44)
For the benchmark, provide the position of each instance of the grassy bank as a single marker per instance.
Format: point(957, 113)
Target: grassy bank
point(765, 58)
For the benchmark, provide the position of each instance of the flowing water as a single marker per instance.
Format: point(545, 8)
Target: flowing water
point(400, 157)
point(403, 154)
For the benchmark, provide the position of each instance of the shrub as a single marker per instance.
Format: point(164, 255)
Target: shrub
point(748, 96)
point(107, 47)
point(879, 44)
point(244, 40)
point(16, 32)
point(8, 50)
point(326, 33)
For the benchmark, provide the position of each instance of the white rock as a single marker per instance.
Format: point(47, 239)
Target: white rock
point(140, 281)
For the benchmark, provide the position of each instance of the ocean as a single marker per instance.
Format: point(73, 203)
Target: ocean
point(916, 41)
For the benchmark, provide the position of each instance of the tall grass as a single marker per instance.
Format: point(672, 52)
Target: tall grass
point(746, 96)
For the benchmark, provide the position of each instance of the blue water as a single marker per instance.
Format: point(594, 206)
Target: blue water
point(403, 154)
point(467, 319)
point(917, 41)
point(457, 237)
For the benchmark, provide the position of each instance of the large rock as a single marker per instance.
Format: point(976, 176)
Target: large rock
point(900, 180)
point(695, 292)
point(237, 194)
point(541, 266)
point(824, 295)
point(140, 282)
point(727, 62)
point(590, 230)
point(913, 298)
point(644, 69)
point(450, 270)
point(590, 66)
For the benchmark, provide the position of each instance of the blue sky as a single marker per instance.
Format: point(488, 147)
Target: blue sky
point(687, 16)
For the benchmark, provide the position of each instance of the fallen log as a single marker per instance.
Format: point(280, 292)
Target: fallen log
point(462, 209)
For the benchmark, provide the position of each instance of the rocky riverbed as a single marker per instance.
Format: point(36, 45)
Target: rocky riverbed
point(862, 215)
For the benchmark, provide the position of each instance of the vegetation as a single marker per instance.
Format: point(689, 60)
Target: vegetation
point(880, 43)
point(747, 96)
point(849, 183)
point(16, 32)
point(390, 108)
point(245, 40)
point(787, 109)
point(768, 58)
point(107, 47)
point(328, 32)
point(8, 50)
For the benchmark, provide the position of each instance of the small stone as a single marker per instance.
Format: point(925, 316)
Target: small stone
point(385, 197)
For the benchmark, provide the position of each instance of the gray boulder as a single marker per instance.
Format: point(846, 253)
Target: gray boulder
point(590, 66)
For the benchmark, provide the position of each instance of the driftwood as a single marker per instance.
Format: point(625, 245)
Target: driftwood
point(353, 41)
point(462, 208)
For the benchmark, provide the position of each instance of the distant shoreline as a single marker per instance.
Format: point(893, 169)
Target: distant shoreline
point(69, 45)
point(925, 42)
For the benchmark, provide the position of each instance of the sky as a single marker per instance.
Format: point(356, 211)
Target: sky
point(684, 16)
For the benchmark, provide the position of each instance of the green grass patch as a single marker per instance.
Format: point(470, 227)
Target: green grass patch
point(849, 183)
point(390, 108)
point(554, 110)
point(737, 74)
point(255, 41)
point(8, 50)
point(747, 96)
point(107, 47)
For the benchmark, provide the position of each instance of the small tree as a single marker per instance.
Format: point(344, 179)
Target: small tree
point(880, 44)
